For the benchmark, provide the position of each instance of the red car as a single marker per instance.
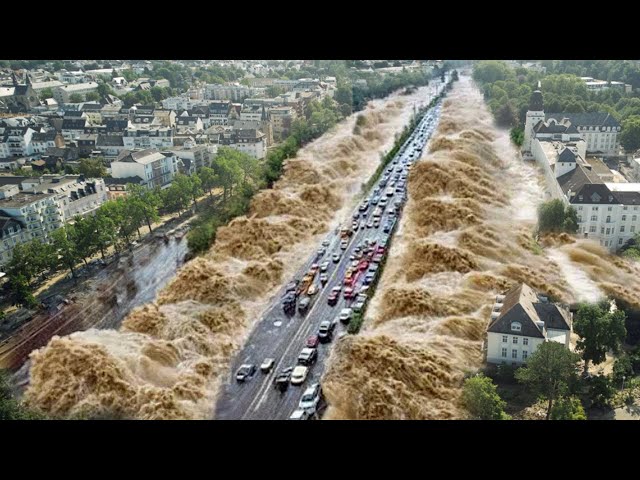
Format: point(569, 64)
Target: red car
point(363, 265)
point(312, 341)
point(333, 298)
point(380, 250)
point(348, 293)
point(377, 258)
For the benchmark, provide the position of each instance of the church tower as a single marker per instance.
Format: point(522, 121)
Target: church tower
point(534, 115)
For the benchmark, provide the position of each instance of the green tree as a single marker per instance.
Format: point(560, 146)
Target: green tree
point(601, 391)
point(10, 407)
point(550, 371)
point(75, 98)
point(600, 330)
point(570, 223)
point(551, 216)
point(191, 185)
point(506, 115)
point(104, 226)
point(480, 397)
point(104, 89)
point(201, 237)
point(227, 168)
point(622, 369)
point(92, 97)
point(208, 178)
point(630, 135)
point(46, 93)
point(274, 90)
point(147, 201)
point(92, 167)
point(176, 197)
point(517, 136)
point(568, 408)
point(65, 248)
point(82, 235)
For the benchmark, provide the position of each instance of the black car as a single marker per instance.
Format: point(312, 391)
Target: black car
point(289, 302)
point(281, 382)
point(245, 371)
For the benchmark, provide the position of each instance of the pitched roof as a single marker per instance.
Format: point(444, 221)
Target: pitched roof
point(597, 193)
point(552, 316)
point(567, 156)
point(576, 178)
point(43, 137)
point(74, 123)
point(521, 304)
point(591, 119)
point(109, 141)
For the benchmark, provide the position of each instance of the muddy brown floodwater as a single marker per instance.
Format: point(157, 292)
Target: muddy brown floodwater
point(166, 359)
point(465, 236)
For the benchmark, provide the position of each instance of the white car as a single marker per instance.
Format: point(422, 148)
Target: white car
point(324, 265)
point(267, 365)
point(336, 257)
point(310, 399)
point(299, 375)
point(345, 315)
point(299, 415)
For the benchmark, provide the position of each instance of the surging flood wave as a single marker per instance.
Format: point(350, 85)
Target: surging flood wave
point(166, 360)
point(465, 236)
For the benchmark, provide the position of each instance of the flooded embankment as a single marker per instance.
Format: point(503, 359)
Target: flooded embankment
point(466, 235)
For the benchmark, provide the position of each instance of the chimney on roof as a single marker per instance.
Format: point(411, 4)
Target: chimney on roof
point(540, 325)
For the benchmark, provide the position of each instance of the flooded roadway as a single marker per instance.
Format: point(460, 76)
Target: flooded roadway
point(127, 282)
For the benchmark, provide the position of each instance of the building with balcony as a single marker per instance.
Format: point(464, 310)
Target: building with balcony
point(156, 169)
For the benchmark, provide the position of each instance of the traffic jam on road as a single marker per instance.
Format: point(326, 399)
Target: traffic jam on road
point(333, 287)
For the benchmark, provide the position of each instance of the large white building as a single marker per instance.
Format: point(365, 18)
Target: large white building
point(235, 92)
point(521, 321)
point(147, 136)
point(63, 94)
point(607, 212)
point(32, 208)
point(599, 130)
point(156, 169)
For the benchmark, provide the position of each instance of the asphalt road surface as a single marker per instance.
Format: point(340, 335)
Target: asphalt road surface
point(282, 337)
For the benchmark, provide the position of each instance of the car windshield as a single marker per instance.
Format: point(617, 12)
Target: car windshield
point(307, 398)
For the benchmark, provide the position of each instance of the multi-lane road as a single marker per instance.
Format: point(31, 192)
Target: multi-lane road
point(281, 336)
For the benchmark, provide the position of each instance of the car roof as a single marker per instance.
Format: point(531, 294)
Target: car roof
point(300, 369)
point(307, 350)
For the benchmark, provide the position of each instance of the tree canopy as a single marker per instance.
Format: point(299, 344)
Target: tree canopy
point(480, 397)
point(600, 330)
point(550, 372)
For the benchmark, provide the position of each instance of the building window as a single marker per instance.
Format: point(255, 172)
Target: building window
point(525, 341)
point(610, 208)
point(592, 229)
point(633, 228)
point(608, 231)
point(594, 218)
point(634, 218)
point(624, 218)
point(579, 208)
point(622, 229)
point(624, 208)
point(504, 352)
point(619, 241)
point(504, 339)
point(594, 209)
point(525, 354)
point(514, 353)
point(601, 230)
point(608, 218)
